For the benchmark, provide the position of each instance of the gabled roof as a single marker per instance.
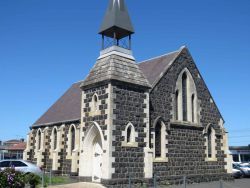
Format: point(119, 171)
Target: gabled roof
point(116, 20)
point(154, 68)
point(66, 108)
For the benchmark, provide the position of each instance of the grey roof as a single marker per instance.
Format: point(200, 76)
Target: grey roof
point(66, 108)
point(154, 68)
point(115, 67)
point(116, 20)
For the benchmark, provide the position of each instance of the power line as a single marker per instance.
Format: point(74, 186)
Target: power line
point(243, 136)
point(239, 130)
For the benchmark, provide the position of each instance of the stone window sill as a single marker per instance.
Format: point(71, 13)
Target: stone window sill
point(211, 159)
point(185, 123)
point(95, 113)
point(160, 160)
point(130, 144)
point(55, 150)
point(40, 150)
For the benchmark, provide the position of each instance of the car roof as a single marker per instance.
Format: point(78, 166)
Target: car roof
point(12, 160)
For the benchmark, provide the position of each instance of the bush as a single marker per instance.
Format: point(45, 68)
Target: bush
point(33, 179)
point(9, 178)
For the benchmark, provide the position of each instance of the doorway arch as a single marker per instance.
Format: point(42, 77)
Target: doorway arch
point(93, 152)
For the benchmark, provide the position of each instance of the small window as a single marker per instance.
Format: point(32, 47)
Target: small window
point(18, 164)
point(129, 139)
point(5, 164)
point(184, 96)
point(158, 140)
point(129, 135)
point(54, 139)
point(176, 105)
point(72, 138)
point(209, 143)
point(95, 102)
point(192, 103)
point(39, 139)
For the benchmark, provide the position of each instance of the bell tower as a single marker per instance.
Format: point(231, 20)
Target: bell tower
point(115, 107)
point(116, 28)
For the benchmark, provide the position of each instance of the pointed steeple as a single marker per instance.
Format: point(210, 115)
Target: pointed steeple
point(116, 62)
point(116, 23)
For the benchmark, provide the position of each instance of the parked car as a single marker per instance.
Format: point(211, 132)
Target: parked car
point(244, 168)
point(21, 166)
point(236, 173)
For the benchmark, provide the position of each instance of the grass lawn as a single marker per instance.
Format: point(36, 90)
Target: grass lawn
point(57, 180)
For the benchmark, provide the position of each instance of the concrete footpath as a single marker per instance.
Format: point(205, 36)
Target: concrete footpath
point(238, 183)
point(78, 185)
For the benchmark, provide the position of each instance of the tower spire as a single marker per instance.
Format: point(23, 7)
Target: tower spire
point(116, 23)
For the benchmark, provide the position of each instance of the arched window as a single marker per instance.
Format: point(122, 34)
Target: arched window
point(95, 102)
point(54, 139)
point(176, 105)
point(186, 102)
point(129, 135)
point(192, 107)
point(39, 139)
point(129, 139)
point(184, 96)
point(72, 133)
point(158, 142)
point(209, 142)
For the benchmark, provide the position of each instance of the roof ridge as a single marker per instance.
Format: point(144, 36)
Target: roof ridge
point(144, 61)
point(77, 82)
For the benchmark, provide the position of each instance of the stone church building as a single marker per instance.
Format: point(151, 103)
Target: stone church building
point(129, 119)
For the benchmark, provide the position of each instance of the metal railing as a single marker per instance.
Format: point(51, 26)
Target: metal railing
point(48, 179)
point(182, 182)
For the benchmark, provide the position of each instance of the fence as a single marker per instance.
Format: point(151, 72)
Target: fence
point(183, 182)
point(48, 178)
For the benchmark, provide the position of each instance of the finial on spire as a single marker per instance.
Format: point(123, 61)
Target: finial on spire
point(117, 23)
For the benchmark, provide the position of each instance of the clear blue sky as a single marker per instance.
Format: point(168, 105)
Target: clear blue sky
point(46, 45)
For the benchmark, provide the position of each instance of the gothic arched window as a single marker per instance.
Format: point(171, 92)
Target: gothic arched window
point(184, 96)
point(95, 102)
point(72, 133)
point(176, 105)
point(39, 139)
point(209, 142)
point(54, 139)
point(192, 107)
point(129, 139)
point(158, 140)
point(185, 101)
